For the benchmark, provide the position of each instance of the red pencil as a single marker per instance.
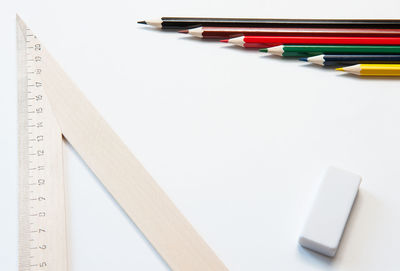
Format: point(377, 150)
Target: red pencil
point(268, 41)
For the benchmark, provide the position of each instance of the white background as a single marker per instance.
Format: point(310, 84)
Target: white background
point(238, 140)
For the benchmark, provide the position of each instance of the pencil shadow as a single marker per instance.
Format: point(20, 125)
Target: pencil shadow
point(275, 58)
point(369, 78)
point(238, 48)
point(302, 64)
point(317, 67)
point(155, 29)
point(196, 39)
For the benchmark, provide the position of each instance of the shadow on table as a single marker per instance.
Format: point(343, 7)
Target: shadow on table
point(361, 231)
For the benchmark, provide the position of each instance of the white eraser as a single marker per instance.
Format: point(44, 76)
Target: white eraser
point(331, 208)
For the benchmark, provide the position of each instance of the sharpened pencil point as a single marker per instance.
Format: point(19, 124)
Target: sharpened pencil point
point(303, 59)
point(225, 40)
point(264, 50)
point(184, 31)
point(340, 69)
point(141, 22)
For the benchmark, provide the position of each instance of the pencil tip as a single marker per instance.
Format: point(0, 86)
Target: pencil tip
point(224, 40)
point(303, 59)
point(264, 50)
point(184, 31)
point(340, 69)
point(141, 22)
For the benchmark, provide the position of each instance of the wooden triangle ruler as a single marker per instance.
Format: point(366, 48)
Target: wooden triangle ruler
point(51, 106)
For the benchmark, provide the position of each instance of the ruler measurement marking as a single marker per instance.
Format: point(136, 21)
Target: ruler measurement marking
point(32, 144)
point(42, 242)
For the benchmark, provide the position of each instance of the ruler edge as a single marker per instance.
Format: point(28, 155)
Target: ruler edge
point(23, 251)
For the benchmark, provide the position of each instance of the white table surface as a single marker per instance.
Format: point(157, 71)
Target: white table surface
point(238, 140)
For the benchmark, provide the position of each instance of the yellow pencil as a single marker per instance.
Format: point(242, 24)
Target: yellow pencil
point(373, 69)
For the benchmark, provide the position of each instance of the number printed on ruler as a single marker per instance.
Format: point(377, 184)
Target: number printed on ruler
point(42, 221)
point(37, 154)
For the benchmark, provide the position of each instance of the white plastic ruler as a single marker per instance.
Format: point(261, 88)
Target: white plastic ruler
point(50, 107)
point(42, 223)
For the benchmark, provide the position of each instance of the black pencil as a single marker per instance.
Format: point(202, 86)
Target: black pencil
point(180, 23)
point(332, 60)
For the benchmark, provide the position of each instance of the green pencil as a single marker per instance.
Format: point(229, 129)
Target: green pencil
point(311, 50)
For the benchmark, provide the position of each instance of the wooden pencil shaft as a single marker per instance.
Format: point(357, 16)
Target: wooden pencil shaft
point(302, 50)
point(362, 57)
point(230, 32)
point(380, 70)
point(345, 62)
point(333, 60)
point(373, 69)
point(265, 41)
point(190, 22)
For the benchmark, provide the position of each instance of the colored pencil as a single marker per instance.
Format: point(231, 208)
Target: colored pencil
point(268, 41)
point(191, 22)
point(331, 60)
point(209, 32)
point(373, 69)
point(310, 50)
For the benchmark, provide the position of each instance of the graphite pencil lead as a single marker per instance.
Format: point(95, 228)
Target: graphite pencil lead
point(154, 22)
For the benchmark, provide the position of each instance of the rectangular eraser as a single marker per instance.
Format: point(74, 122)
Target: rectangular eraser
point(331, 208)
